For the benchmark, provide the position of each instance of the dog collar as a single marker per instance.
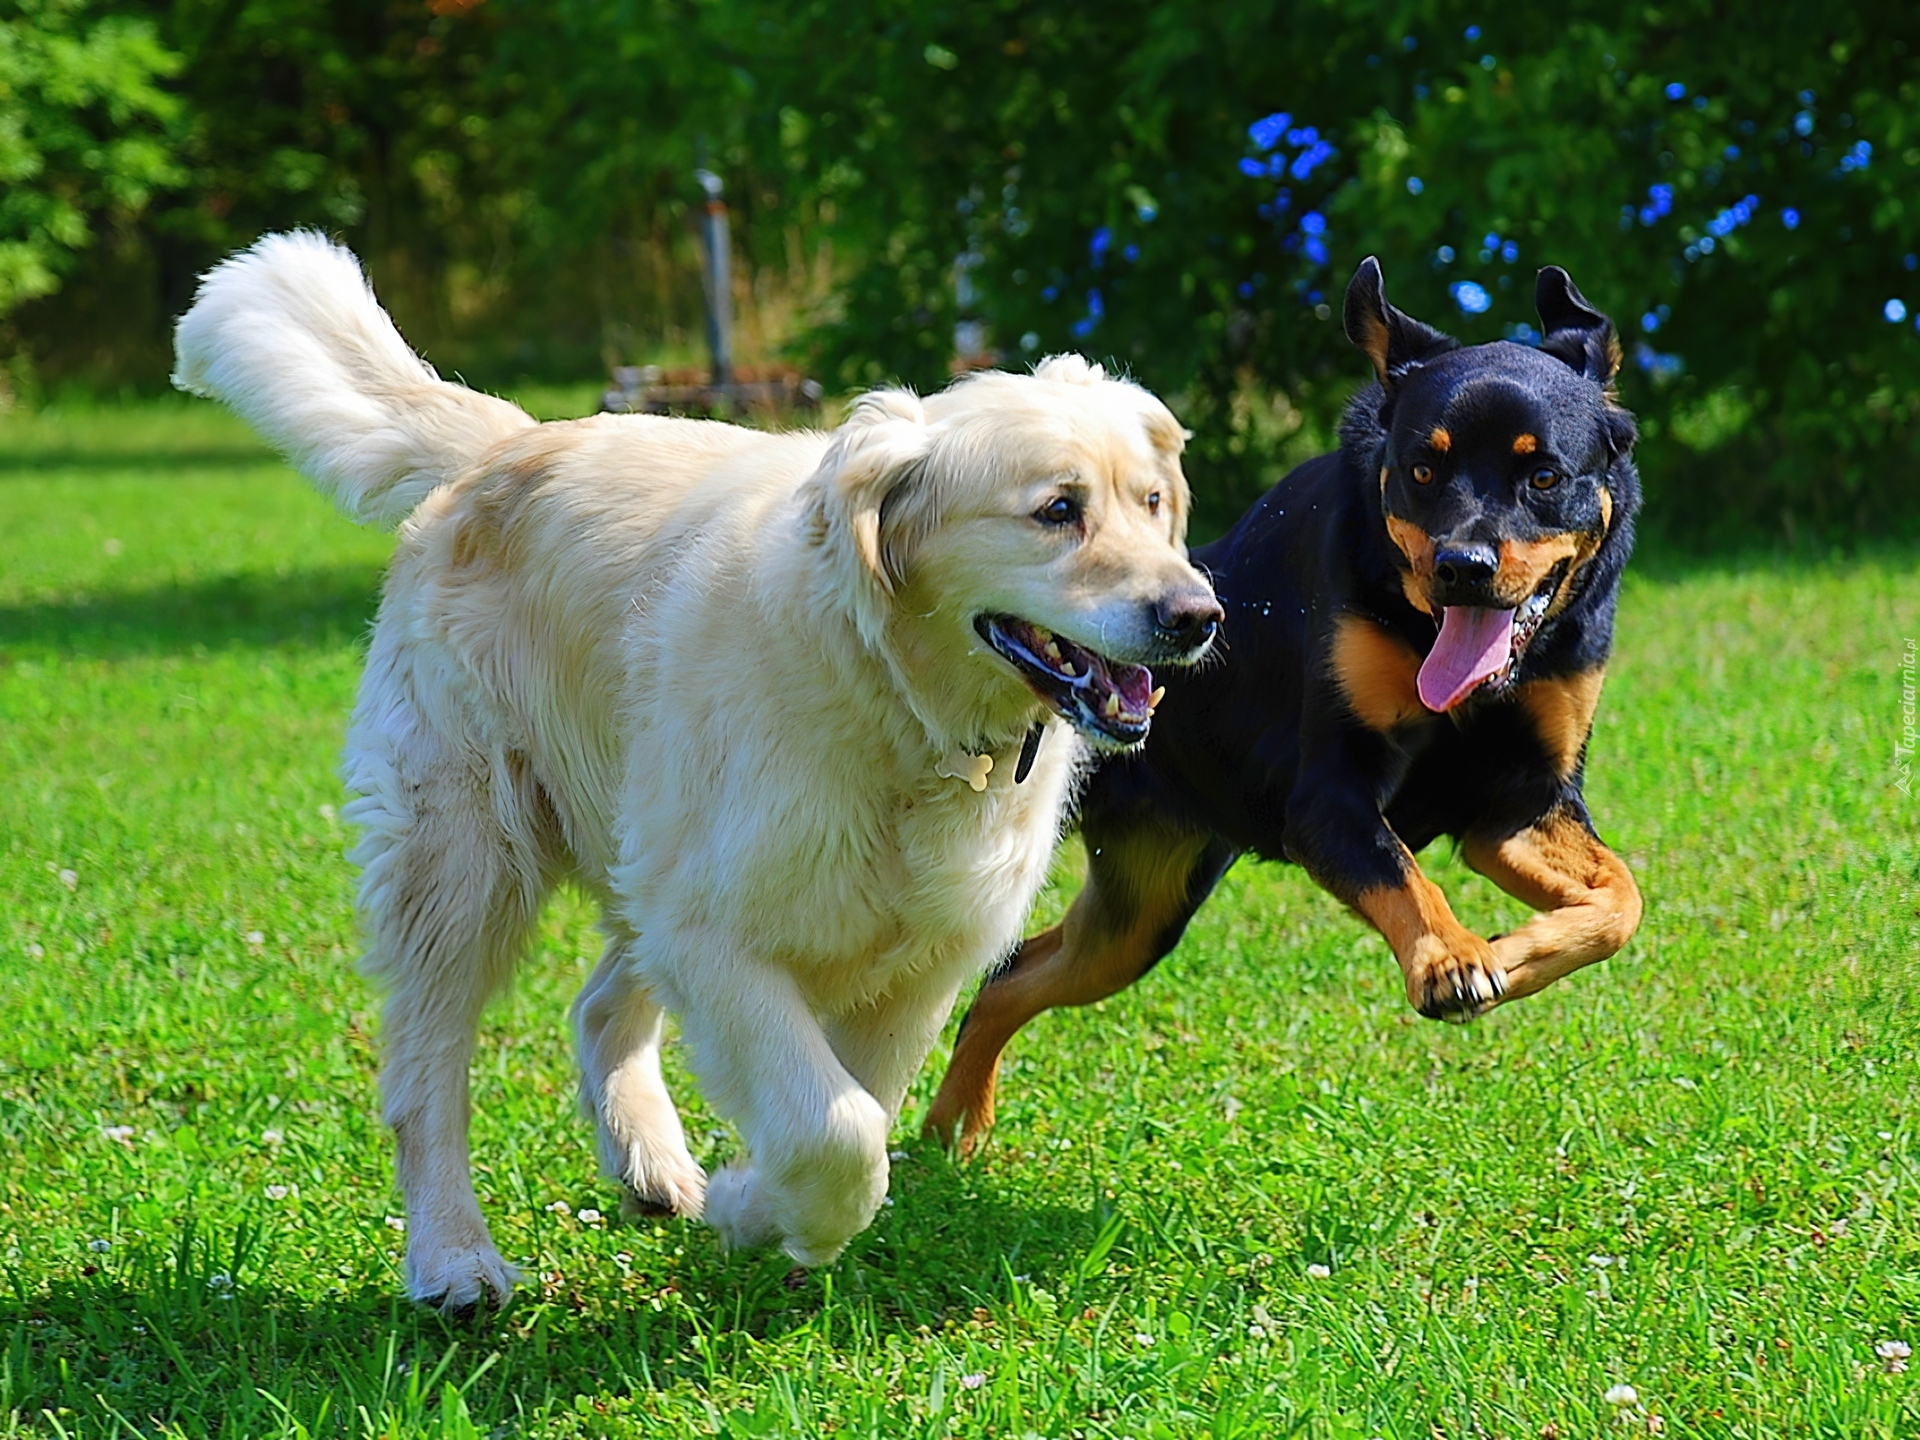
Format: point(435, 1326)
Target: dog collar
point(963, 764)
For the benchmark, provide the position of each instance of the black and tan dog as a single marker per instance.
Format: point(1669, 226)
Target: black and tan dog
point(1417, 628)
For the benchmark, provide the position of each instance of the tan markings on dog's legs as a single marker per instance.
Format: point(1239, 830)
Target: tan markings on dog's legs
point(1451, 973)
point(618, 1025)
point(1138, 893)
point(1560, 867)
point(1417, 546)
point(1377, 672)
point(1562, 713)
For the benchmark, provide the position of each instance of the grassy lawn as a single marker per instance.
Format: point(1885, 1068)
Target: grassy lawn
point(1253, 1196)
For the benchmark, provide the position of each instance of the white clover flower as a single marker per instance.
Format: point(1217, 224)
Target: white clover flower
point(1318, 1272)
point(1622, 1395)
point(896, 1156)
point(1894, 1355)
point(255, 937)
point(276, 1192)
point(273, 1137)
point(1142, 1338)
point(973, 1381)
point(69, 878)
point(122, 1133)
point(221, 1284)
point(396, 1222)
point(590, 1217)
point(1601, 1262)
point(99, 1247)
point(559, 1207)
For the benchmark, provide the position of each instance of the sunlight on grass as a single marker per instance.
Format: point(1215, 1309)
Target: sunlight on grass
point(1255, 1195)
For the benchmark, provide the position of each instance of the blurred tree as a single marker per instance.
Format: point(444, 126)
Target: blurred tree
point(1186, 189)
point(84, 134)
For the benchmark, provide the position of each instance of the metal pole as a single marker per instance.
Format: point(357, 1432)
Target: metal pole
point(719, 282)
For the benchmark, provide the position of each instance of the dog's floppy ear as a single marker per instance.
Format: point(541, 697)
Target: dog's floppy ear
point(1393, 341)
point(1575, 332)
point(864, 478)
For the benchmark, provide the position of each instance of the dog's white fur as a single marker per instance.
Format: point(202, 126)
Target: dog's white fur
point(708, 674)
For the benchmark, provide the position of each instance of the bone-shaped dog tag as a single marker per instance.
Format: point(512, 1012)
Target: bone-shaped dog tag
point(959, 765)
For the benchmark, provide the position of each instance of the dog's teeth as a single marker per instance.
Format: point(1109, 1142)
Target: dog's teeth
point(1112, 707)
point(1053, 652)
point(1066, 668)
point(1153, 700)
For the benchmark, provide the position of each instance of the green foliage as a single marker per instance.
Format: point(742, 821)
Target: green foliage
point(1088, 169)
point(1691, 1169)
point(85, 134)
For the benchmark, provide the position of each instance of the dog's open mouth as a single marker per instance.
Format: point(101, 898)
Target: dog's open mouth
point(1480, 647)
point(1109, 702)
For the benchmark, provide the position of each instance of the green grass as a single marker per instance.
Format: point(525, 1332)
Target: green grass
point(1691, 1170)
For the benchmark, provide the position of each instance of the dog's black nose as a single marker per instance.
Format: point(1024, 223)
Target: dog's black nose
point(1188, 618)
point(1465, 566)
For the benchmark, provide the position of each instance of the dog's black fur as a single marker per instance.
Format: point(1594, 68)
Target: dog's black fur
point(1470, 476)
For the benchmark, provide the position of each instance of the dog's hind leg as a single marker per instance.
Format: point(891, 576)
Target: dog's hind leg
point(618, 1025)
point(1144, 881)
point(460, 848)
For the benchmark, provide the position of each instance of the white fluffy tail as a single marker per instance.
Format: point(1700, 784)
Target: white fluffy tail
point(289, 335)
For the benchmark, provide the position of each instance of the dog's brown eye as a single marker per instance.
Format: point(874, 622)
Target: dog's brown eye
point(1153, 503)
point(1545, 478)
point(1423, 474)
point(1061, 510)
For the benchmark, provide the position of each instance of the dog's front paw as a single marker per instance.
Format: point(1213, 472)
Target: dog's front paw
point(1455, 978)
point(737, 1208)
point(459, 1280)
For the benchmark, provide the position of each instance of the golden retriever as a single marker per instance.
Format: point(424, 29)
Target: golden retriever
point(772, 699)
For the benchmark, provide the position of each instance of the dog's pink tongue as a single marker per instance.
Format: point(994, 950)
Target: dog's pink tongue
point(1474, 643)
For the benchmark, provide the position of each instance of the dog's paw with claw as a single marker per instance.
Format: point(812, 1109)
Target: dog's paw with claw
point(1455, 979)
point(656, 1190)
point(460, 1280)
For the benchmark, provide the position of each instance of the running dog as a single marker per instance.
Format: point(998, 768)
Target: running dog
point(780, 702)
point(1417, 629)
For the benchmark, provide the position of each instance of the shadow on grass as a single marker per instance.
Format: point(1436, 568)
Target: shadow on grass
point(52, 460)
point(299, 609)
point(180, 1333)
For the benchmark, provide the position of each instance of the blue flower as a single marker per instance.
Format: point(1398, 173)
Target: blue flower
point(1306, 161)
point(1649, 322)
point(1661, 197)
point(1699, 102)
point(1654, 363)
point(1148, 212)
point(1096, 307)
point(1806, 97)
point(1098, 246)
point(1313, 223)
point(1083, 328)
point(1732, 152)
point(1246, 289)
point(1315, 249)
point(1790, 218)
point(1895, 310)
point(1473, 32)
point(1676, 91)
point(1803, 123)
point(1130, 254)
point(1492, 241)
point(1486, 62)
point(1409, 43)
point(1266, 131)
point(1415, 184)
point(1051, 293)
point(1524, 333)
point(1912, 262)
point(1253, 167)
point(1509, 252)
point(1472, 298)
point(1421, 92)
point(1445, 254)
